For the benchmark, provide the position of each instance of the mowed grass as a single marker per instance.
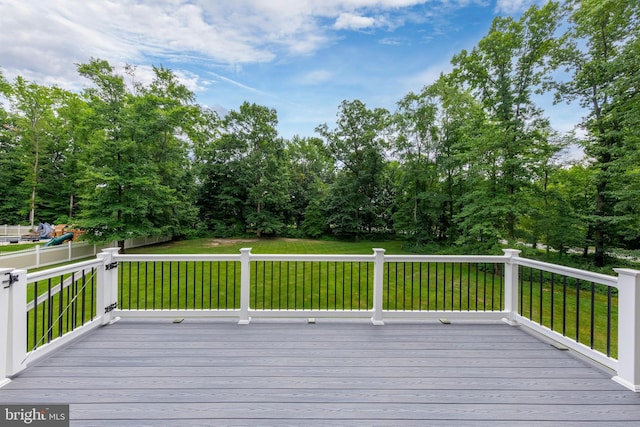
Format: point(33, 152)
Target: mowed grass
point(15, 247)
point(315, 285)
point(272, 246)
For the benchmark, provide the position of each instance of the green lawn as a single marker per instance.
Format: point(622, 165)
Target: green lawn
point(14, 247)
point(272, 246)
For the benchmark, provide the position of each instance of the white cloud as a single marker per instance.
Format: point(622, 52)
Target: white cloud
point(144, 75)
point(390, 41)
point(42, 40)
point(349, 21)
point(242, 31)
point(238, 84)
point(316, 77)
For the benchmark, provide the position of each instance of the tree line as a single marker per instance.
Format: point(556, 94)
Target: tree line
point(469, 160)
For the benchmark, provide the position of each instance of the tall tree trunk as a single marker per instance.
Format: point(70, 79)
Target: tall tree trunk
point(599, 232)
point(259, 209)
point(32, 212)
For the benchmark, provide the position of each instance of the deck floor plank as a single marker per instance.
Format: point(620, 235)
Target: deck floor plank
point(290, 373)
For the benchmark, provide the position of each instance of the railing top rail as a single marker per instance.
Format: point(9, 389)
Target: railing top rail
point(312, 257)
point(446, 258)
point(61, 247)
point(237, 257)
point(590, 276)
point(64, 245)
point(176, 257)
point(65, 269)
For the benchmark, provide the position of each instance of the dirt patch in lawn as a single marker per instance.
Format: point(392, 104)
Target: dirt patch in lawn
point(219, 242)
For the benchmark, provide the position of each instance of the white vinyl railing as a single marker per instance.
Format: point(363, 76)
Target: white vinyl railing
point(41, 311)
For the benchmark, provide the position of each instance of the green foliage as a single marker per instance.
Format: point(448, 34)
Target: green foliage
point(13, 193)
point(315, 224)
point(311, 170)
point(503, 71)
point(357, 144)
point(35, 151)
point(599, 54)
point(245, 180)
point(135, 161)
point(436, 133)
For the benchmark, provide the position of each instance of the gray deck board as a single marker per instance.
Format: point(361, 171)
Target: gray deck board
point(156, 373)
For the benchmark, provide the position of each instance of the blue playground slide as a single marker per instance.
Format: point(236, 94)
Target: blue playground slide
point(44, 229)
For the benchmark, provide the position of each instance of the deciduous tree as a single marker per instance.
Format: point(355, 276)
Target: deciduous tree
point(602, 62)
point(245, 176)
point(358, 145)
point(133, 148)
point(503, 71)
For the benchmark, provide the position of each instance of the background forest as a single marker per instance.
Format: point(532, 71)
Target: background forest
point(469, 161)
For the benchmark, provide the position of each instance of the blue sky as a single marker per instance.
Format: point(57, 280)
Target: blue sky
point(301, 57)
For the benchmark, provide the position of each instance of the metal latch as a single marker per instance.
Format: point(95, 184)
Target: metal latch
point(111, 266)
point(13, 278)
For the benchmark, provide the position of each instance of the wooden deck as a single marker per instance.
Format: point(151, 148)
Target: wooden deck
point(348, 373)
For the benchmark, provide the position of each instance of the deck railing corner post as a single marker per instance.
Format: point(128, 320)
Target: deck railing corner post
point(107, 301)
point(245, 285)
point(511, 285)
point(378, 274)
point(102, 287)
point(5, 275)
point(628, 371)
point(16, 338)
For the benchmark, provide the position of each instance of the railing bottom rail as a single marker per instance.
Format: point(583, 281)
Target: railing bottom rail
point(596, 356)
point(60, 342)
point(320, 314)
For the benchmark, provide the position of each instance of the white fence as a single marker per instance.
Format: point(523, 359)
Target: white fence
point(14, 230)
point(42, 256)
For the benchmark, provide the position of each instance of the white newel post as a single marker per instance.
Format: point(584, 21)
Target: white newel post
point(108, 285)
point(378, 274)
point(245, 285)
point(511, 285)
point(17, 322)
point(628, 328)
point(5, 286)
